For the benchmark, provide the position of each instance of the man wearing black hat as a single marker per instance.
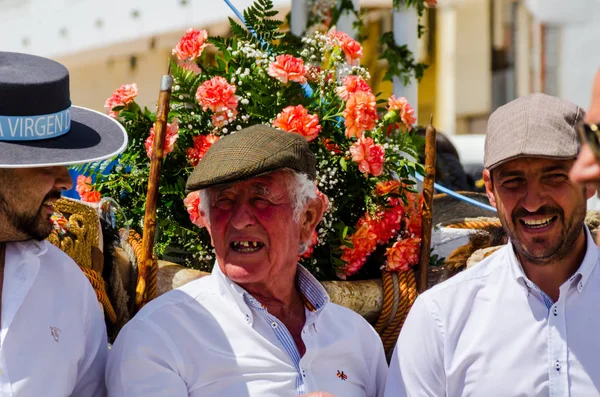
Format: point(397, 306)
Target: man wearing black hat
point(260, 325)
point(53, 338)
point(523, 322)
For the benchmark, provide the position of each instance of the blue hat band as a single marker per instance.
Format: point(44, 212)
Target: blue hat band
point(35, 128)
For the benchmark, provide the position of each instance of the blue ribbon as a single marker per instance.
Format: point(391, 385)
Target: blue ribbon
point(457, 195)
point(34, 128)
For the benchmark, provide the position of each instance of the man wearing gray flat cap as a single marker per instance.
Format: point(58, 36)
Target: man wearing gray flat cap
point(524, 321)
point(260, 325)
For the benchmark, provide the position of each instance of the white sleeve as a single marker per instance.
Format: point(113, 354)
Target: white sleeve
point(90, 371)
point(144, 362)
point(417, 366)
point(381, 368)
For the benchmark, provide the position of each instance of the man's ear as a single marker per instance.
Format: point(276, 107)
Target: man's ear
point(312, 216)
point(489, 187)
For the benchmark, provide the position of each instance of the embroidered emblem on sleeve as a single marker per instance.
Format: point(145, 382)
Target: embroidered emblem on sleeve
point(342, 375)
point(55, 332)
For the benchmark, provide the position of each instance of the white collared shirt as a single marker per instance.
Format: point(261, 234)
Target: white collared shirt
point(212, 338)
point(53, 338)
point(488, 331)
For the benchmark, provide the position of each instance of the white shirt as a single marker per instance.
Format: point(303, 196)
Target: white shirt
point(489, 331)
point(53, 338)
point(211, 338)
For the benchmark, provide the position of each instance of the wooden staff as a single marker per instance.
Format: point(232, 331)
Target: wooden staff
point(160, 129)
point(429, 179)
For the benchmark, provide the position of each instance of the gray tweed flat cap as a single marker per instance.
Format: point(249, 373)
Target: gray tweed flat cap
point(537, 125)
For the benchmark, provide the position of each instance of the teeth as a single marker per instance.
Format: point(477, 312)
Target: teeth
point(538, 222)
point(246, 244)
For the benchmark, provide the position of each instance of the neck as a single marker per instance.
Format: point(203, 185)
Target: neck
point(549, 277)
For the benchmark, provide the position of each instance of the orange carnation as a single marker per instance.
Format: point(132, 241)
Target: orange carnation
point(201, 145)
point(296, 119)
point(191, 44)
point(369, 156)
point(386, 187)
point(217, 95)
point(403, 254)
point(360, 113)
point(288, 68)
point(352, 84)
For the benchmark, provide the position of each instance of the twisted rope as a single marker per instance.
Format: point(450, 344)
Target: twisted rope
point(474, 224)
point(399, 294)
point(100, 288)
point(146, 287)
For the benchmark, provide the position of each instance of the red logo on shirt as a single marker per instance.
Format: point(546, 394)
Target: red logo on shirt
point(342, 375)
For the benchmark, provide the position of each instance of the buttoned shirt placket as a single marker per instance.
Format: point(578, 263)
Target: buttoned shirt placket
point(556, 325)
point(314, 301)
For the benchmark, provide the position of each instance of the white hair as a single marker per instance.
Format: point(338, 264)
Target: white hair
point(301, 191)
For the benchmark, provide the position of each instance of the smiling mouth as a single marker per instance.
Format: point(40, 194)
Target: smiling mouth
point(246, 247)
point(538, 223)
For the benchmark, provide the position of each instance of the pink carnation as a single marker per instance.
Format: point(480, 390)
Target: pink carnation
point(217, 95)
point(352, 84)
point(369, 156)
point(431, 3)
point(404, 110)
point(86, 191)
point(288, 68)
point(123, 96)
point(352, 48)
point(192, 205)
point(296, 119)
point(360, 113)
point(191, 44)
point(403, 254)
point(170, 139)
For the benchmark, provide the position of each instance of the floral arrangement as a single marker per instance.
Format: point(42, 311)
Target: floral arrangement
point(317, 89)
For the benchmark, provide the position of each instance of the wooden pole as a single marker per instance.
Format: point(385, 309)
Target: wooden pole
point(160, 129)
point(429, 179)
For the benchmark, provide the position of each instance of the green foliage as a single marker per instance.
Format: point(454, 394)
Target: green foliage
point(401, 61)
point(243, 62)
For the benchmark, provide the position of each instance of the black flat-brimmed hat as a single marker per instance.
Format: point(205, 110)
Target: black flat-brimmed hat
point(38, 125)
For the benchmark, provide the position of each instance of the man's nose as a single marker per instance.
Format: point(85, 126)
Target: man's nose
point(62, 178)
point(534, 199)
point(242, 216)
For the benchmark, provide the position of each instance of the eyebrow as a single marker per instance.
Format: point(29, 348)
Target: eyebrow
point(552, 168)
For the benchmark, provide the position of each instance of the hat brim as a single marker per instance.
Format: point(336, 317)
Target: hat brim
point(93, 137)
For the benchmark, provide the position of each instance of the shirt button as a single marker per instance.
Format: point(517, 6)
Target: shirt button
point(580, 286)
point(557, 365)
point(274, 324)
point(555, 311)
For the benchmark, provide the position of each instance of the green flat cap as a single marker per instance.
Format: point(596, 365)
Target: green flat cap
point(250, 152)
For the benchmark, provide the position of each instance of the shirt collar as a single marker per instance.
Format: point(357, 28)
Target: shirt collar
point(315, 295)
point(582, 274)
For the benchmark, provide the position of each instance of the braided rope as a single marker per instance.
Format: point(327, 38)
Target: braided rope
point(386, 309)
point(399, 294)
point(474, 224)
point(100, 288)
point(146, 287)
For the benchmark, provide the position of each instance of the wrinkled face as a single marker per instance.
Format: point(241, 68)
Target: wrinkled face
point(541, 209)
point(26, 199)
point(253, 231)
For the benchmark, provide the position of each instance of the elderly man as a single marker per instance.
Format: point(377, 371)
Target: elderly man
point(523, 321)
point(260, 325)
point(53, 339)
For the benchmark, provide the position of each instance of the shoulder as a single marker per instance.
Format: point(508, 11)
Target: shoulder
point(57, 266)
point(194, 298)
point(347, 322)
point(456, 292)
